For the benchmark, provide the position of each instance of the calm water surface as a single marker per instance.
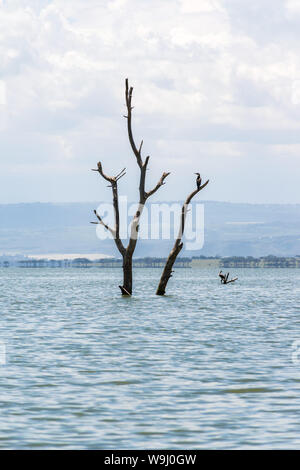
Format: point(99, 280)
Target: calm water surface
point(208, 366)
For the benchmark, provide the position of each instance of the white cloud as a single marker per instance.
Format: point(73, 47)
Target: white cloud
point(206, 74)
point(196, 6)
point(293, 7)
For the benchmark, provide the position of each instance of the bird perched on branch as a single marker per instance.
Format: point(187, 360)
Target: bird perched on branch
point(198, 180)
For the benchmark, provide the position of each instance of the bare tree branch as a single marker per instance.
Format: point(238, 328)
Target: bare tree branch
point(178, 245)
point(119, 175)
point(118, 240)
point(114, 185)
point(184, 210)
point(113, 232)
point(159, 184)
point(128, 97)
point(100, 171)
point(231, 280)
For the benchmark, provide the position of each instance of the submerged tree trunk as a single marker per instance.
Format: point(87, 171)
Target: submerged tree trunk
point(168, 269)
point(126, 289)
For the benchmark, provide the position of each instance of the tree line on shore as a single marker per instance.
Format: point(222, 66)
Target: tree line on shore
point(153, 262)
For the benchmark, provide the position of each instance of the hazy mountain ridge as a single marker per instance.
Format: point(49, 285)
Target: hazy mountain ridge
point(230, 229)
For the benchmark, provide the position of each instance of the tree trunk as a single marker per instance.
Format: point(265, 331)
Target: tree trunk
point(167, 272)
point(127, 276)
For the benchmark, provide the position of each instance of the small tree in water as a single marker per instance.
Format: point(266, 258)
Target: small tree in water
point(178, 245)
point(127, 252)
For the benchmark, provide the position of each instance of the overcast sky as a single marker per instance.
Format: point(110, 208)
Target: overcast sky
point(216, 90)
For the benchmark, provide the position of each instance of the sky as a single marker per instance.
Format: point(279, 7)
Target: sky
point(216, 91)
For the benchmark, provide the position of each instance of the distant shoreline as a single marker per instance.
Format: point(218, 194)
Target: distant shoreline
point(195, 262)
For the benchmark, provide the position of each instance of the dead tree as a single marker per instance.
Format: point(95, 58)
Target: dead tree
point(127, 252)
point(168, 269)
point(224, 279)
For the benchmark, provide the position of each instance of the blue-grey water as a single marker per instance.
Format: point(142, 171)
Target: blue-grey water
point(208, 366)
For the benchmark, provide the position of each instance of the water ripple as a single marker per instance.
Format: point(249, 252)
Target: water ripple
point(207, 366)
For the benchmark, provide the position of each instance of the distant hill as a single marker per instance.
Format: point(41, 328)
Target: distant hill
point(231, 229)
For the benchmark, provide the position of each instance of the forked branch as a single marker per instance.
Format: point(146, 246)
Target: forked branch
point(113, 180)
point(160, 183)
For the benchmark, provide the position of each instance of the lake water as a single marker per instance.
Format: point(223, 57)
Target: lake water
point(208, 366)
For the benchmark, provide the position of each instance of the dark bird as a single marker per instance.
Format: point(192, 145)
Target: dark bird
point(198, 180)
point(222, 276)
